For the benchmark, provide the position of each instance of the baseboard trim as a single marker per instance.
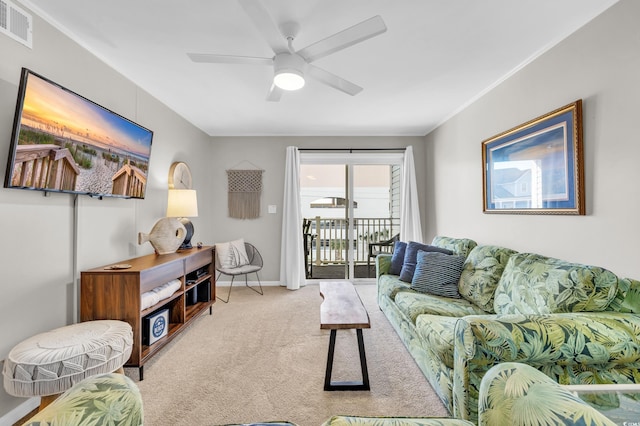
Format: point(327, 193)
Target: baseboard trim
point(18, 413)
point(240, 282)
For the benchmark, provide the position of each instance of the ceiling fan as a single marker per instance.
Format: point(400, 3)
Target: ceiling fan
point(291, 66)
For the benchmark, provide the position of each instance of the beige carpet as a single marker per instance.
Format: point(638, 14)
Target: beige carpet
point(262, 358)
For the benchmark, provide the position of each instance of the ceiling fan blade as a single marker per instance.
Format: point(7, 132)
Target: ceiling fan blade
point(228, 59)
point(345, 38)
point(333, 80)
point(267, 27)
point(274, 93)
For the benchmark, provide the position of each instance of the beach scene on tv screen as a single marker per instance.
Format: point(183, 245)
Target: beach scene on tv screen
point(67, 143)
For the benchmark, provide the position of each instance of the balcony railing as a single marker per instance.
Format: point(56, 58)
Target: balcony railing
point(329, 238)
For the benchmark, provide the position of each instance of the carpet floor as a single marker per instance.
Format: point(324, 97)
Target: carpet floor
point(263, 358)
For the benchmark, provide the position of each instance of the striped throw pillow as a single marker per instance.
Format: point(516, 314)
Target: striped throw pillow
point(411, 255)
point(438, 274)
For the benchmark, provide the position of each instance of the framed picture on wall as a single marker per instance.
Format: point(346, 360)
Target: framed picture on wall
point(536, 167)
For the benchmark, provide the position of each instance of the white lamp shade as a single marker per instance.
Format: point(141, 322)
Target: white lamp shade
point(182, 203)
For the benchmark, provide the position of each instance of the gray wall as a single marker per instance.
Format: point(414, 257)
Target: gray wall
point(599, 64)
point(38, 290)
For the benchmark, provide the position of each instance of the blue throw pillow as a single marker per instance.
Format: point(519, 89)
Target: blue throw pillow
point(397, 259)
point(438, 273)
point(411, 257)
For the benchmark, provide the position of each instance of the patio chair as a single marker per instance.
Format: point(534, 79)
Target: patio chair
point(375, 249)
point(307, 241)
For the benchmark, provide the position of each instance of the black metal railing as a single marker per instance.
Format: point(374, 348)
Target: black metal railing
point(327, 238)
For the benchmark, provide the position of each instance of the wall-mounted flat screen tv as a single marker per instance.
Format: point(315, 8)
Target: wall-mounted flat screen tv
point(63, 142)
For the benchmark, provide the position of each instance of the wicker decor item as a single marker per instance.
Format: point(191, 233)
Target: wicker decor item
point(245, 189)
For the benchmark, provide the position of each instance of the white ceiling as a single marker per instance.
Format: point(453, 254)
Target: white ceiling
point(435, 58)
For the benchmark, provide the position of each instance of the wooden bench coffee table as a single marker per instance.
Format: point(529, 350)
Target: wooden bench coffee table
point(342, 309)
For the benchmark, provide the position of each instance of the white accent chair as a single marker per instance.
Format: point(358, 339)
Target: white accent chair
point(254, 265)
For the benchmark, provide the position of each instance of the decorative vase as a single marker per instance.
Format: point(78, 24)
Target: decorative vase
point(166, 236)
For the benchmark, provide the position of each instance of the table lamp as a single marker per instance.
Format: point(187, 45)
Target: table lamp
point(183, 204)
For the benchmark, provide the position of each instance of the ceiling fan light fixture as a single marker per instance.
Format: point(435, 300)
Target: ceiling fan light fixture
point(288, 74)
point(289, 80)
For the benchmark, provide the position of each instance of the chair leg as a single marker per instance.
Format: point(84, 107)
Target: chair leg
point(246, 283)
point(228, 294)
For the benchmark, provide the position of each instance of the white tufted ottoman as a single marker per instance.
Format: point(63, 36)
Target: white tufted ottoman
point(49, 363)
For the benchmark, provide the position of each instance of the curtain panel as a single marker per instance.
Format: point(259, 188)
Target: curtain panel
point(410, 227)
point(291, 252)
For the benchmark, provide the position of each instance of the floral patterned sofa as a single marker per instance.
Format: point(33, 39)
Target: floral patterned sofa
point(575, 323)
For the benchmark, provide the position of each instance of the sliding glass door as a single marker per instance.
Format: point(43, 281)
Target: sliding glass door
point(350, 204)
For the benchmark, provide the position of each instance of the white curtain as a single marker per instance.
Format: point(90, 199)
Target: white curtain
point(410, 228)
point(291, 253)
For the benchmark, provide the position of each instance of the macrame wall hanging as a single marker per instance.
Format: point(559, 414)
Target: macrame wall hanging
point(245, 189)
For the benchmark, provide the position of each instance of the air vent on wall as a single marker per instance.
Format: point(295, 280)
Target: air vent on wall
point(15, 23)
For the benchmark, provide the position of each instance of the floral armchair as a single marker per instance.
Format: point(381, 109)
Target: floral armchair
point(109, 399)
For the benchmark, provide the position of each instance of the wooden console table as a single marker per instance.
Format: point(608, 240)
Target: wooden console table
point(110, 293)
point(342, 309)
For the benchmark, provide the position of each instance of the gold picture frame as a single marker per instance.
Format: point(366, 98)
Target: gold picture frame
point(536, 167)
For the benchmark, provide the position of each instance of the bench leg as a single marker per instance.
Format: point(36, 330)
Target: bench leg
point(346, 386)
point(363, 360)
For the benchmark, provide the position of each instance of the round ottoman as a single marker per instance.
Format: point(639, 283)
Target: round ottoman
point(50, 363)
